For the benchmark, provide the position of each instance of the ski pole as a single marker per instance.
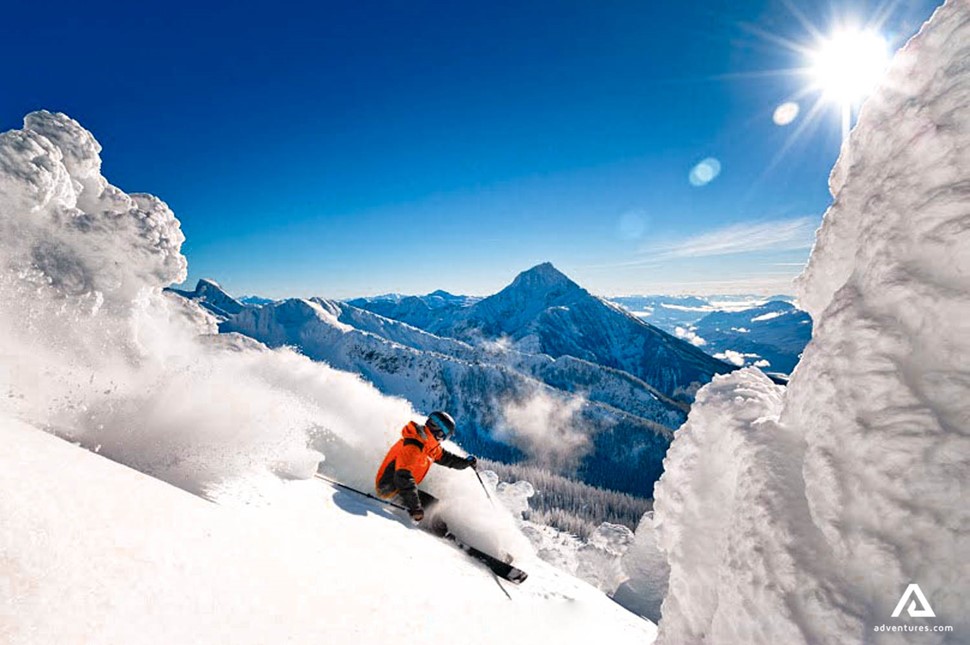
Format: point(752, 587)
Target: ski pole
point(359, 492)
point(487, 494)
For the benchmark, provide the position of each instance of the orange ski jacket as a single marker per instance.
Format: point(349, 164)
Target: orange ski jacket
point(408, 461)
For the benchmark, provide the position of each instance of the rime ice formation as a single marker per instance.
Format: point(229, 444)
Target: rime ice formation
point(801, 516)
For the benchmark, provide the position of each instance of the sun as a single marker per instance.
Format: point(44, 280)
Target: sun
point(837, 69)
point(846, 66)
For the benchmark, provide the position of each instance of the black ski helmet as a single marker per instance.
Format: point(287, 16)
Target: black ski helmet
point(441, 425)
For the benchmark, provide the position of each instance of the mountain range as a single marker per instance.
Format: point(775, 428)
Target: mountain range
point(767, 332)
point(542, 352)
point(544, 312)
point(771, 336)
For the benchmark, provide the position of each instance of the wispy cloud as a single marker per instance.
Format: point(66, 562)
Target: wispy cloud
point(745, 237)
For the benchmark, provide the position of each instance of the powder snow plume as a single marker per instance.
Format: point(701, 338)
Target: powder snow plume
point(803, 514)
point(547, 428)
point(93, 350)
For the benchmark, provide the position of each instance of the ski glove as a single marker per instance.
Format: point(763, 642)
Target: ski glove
point(472, 461)
point(417, 514)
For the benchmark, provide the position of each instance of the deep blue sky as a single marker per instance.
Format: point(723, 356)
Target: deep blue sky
point(355, 148)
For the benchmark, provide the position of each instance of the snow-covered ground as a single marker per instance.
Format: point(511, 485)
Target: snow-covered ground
point(94, 552)
point(802, 515)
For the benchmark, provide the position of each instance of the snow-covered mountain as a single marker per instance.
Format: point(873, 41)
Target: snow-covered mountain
point(742, 330)
point(544, 312)
point(670, 312)
point(417, 311)
point(255, 300)
point(622, 424)
point(771, 336)
point(210, 295)
point(666, 312)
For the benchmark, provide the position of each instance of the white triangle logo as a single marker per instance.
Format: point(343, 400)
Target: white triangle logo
point(924, 612)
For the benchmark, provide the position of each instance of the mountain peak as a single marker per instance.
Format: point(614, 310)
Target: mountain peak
point(210, 295)
point(207, 284)
point(543, 277)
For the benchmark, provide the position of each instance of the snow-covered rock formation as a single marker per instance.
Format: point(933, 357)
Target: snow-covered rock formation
point(803, 515)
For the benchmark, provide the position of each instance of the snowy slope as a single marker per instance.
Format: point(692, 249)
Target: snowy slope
point(802, 515)
point(85, 564)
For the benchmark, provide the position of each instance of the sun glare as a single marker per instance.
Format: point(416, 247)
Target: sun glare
point(848, 65)
point(840, 66)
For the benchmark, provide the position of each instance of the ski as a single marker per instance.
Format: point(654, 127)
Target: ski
point(501, 568)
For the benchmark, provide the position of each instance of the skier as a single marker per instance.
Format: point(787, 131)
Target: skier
point(408, 461)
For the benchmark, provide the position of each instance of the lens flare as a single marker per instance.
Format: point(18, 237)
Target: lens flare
point(705, 172)
point(785, 113)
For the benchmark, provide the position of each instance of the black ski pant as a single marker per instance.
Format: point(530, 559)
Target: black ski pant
point(431, 522)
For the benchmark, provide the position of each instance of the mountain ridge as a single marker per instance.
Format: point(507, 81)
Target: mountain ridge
point(629, 422)
point(543, 311)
